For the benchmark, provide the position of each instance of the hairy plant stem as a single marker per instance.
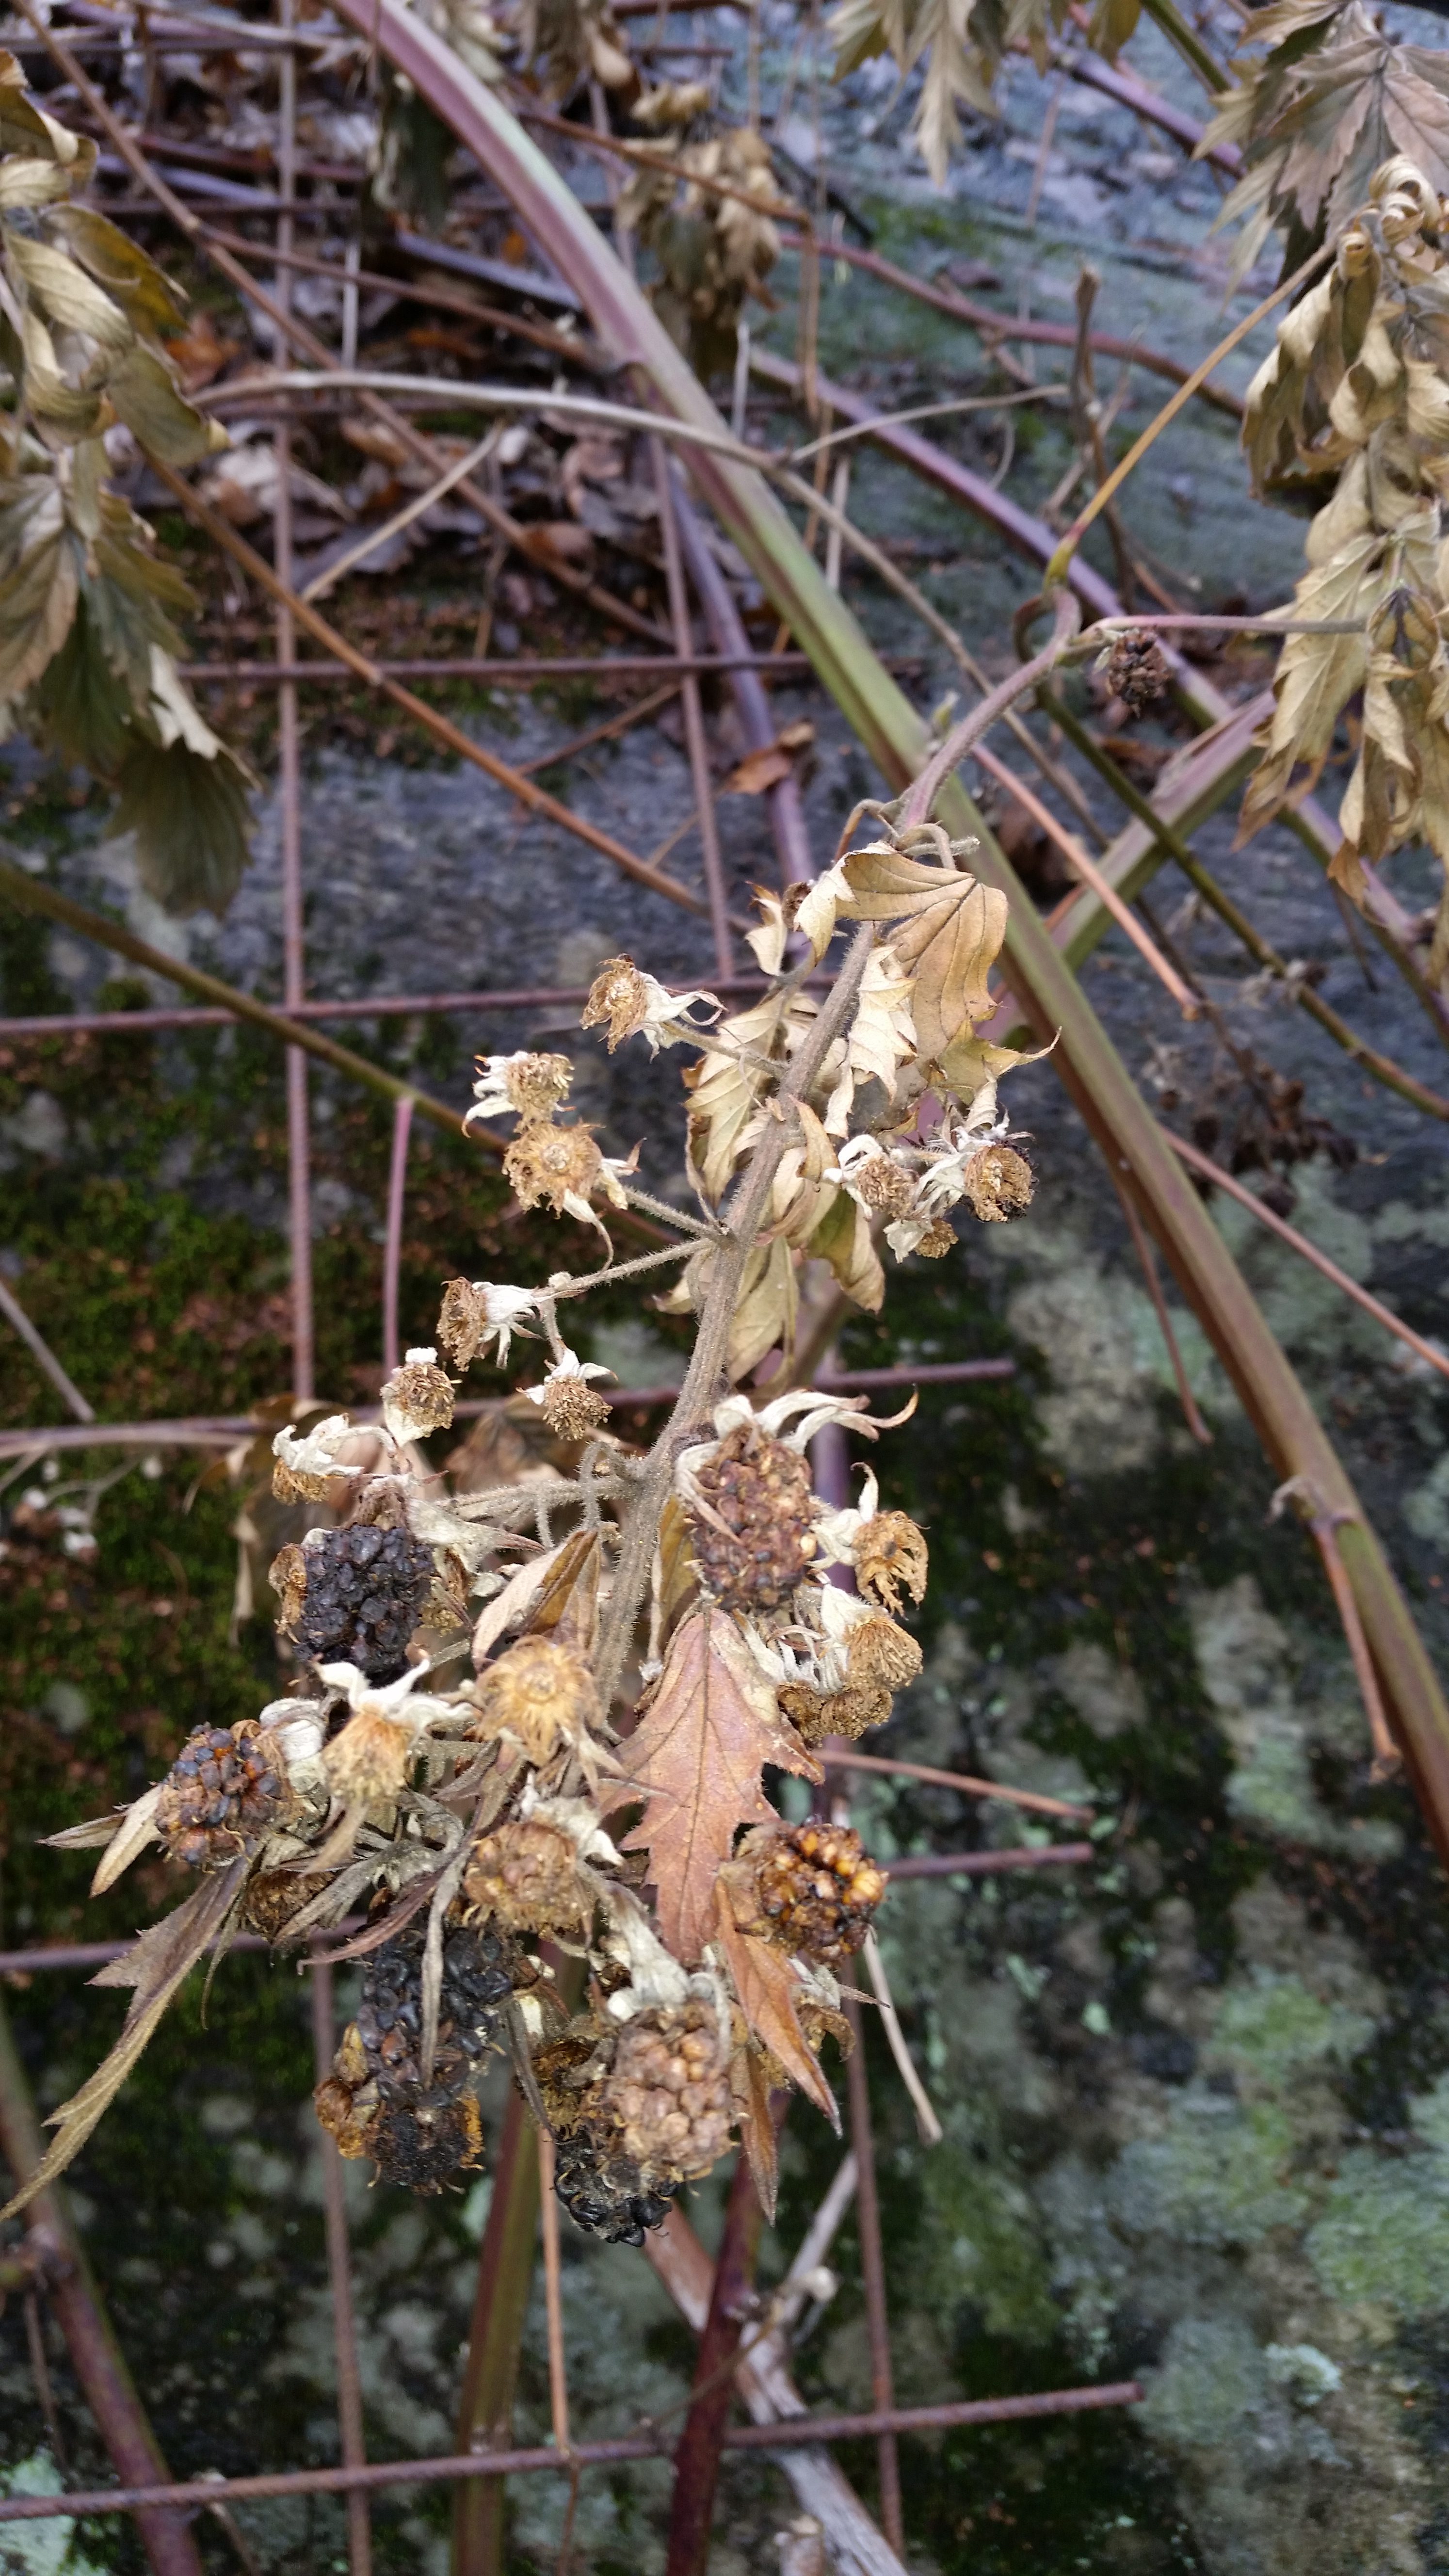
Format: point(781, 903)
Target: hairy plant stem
point(1261, 950)
point(921, 794)
point(743, 1217)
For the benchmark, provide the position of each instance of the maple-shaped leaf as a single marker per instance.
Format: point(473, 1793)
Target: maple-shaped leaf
point(767, 1983)
point(950, 935)
point(695, 1758)
point(1333, 99)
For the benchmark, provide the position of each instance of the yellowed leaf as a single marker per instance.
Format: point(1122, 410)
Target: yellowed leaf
point(950, 935)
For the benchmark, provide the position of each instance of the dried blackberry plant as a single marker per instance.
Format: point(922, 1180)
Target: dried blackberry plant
point(645, 1634)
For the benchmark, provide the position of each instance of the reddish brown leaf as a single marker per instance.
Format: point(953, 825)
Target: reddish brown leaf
point(757, 771)
point(695, 1758)
point(766, 1985)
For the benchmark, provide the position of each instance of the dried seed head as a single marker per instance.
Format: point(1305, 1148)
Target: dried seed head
point(755, 1545)
point(418, 1397)
point(367, 1763)
point(552, 1163)
point(275, 1897)
point(538, 1693)
point(1136, 671)
point(817, 1888)
point(287, 1575)
point(222, 1796)
point(571, 1407)
point(618, 997)
point(938, 1239)
point(998, 1184)
point(605, 2192)
point(526, 1876)
point(889, 1551)
point(851, 1712)
point(881, 1656)
point(668, 2090)
point(462, 1321)
point(536, 1084)
point(883, 1185)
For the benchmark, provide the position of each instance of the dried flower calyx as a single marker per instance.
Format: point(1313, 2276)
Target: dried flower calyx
point(539, 1694)
point(630, 1004)
point(418, 1397)
point(222, 1796)
point(523, 1086)
point(569, 1405)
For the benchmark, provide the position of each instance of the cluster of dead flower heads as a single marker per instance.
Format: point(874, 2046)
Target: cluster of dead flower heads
point(619, 1910)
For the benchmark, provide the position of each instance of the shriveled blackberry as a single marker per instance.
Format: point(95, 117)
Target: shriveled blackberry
point(755, 1548)
point(476, 1982)
point(817, 1887)
point(374, 2102)
point(364, 1595)
point(604, 2191)
point(668, 2091)
point(221, 1796)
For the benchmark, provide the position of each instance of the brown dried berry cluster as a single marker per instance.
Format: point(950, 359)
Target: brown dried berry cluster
point(221, 1796)
point(818, 1888)
point(526, 1875)
point(668, 2090)
point(753, 1543)
point(1136, 671)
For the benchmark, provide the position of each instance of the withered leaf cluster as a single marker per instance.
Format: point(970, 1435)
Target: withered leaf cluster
point(1356, 387)
point(88, 640)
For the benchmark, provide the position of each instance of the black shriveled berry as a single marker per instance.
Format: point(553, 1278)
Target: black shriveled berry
point(604, 2192)
point(220, 1797)
point(364, 1595)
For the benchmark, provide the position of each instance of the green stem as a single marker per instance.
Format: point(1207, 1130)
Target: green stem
point(505, 2277)
point(1190, 45)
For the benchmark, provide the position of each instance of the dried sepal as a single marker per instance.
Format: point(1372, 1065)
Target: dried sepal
point(476, 1312)
point(307, 1463)
point(629, 1003)
point(523, 1086)
point(418, 1397)
point(889, 1554)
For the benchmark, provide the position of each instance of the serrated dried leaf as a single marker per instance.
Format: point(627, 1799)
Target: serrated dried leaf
point(767, 1986)
point(765, 1309)
point(949, 938)
point(150, 402)
point(190, 817)
point(695, 1758)
point(157, 1967)
point(750, 2089)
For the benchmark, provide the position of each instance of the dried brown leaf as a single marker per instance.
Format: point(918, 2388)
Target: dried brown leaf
point(157, 1967)
point(767, 1985)
point(695, 1758)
